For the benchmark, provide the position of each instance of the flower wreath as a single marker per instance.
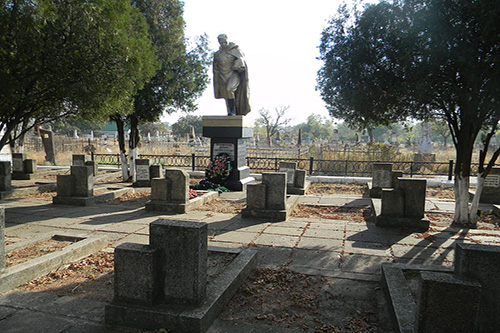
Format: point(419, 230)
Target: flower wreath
point(219, 167)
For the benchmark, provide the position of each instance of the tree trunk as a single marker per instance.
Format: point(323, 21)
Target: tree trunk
point(132, 143)
point(120, 125)
point(461, 217)
point(464, 147)
point(474, 207)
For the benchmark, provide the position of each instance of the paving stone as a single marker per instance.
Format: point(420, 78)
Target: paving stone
point(28, 321)
point(284, 230)
point(363, 263)
point(315, 258)
point(376, 249)
point(324, 233)
point(273, 256)
point(327, 224)
point(323, 244)
point(236, 237)
point(276, 240)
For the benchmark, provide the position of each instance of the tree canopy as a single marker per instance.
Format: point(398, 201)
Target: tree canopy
point(68, 57)
point(421, 59)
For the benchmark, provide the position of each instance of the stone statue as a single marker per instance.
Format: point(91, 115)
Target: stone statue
point(231, 77)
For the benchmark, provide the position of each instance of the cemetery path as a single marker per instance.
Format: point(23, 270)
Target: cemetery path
point(318, 271)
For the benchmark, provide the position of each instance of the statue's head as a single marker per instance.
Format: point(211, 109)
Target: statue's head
point(222, 39)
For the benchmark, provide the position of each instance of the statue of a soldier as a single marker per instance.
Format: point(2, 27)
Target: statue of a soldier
point(231, 77)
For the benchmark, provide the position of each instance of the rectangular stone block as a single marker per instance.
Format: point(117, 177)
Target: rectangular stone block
point(136, 276)
point(289, 168)
point(29, 166)
point(256, 196)
point(94, 165)
point(155, 171)
point(17, 162)
point(395, 176)
point(414, 190)
point(142, 169)
point(183, 259)
point(446, 303)
point(393, 202)
point(482, 263)
point(83, 181)
point(382, 175)
point(300, 178)
point(64, 185)
point(159, 189)
point(2, 239)
point(79, 159)
point(178, 185)
point(5, 176)
point(275, 190)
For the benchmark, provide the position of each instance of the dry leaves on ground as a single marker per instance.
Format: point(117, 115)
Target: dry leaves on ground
point(91, 278)
point(137, 198)
point(283, 298)
point(355, 214)
point(34, 250)
point(224, 206)
point(487, 220)
point(325, 188)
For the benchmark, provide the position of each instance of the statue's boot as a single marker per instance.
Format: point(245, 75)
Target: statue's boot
point(232, 107)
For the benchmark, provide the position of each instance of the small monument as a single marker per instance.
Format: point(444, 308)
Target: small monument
point(229, 135)
point(383, 177)
point(76, 188)
point(269, 199)
point(465, 299)
point(165, 284)
point(171, 194)
point(296, 182)
point(425, 150)
point(48, 145)
point(22, 167)
point(403, 206)
point(491, 189)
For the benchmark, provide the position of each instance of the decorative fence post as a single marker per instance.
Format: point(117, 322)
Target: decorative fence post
point(311, 165)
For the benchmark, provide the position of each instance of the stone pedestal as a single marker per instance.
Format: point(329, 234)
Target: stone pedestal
point(403, 206)
point(22, 167)
point(229, 134)
point(269, 199)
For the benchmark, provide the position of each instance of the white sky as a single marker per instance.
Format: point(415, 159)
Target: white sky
point(280, 39)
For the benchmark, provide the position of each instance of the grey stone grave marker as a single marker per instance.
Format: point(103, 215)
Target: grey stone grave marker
point(142, 172)
point(482, 262)
point(445, 301)
point(491, 189)
point(79, 159)
point(289, 168)
point(5, 176)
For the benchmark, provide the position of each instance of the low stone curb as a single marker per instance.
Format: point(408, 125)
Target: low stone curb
point(16, 275)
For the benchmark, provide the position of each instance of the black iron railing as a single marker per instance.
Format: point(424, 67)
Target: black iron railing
point(314, 166)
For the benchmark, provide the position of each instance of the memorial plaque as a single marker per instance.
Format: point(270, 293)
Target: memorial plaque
point(227, 148)
point(289, 168)
point(492, 181)
point(142, 169)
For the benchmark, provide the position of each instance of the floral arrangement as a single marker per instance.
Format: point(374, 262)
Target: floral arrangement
point(219, 167)
point(192, 193)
